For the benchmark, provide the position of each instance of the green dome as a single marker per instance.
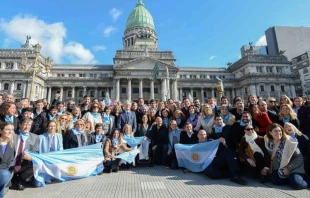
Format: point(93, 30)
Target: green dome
point(140, 17)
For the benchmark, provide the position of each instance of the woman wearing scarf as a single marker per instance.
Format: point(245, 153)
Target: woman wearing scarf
point(288, 115)
point(261, 118)
point(98, 136)
point(144, 127)
point(165, 115)
point(50, 141)
point(193, 115)
point(113, 145)
point(93, 116)
point(228, 118)
point(151, 116)
point(206, 119)
point(287, 164)
point(253, 154)
point(108, 121)
point(75, 137)
point(61, 124)
point(180, 118)
point(174, 138)
point(76, 112)
point(303, 140)
point(7, 153)
point(69, 120)
point(7, 114)
point(303, 114)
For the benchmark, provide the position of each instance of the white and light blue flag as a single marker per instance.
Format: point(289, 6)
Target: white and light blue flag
point(196, 157)
point(133, 141)
point(129, 156)
point(67, 164)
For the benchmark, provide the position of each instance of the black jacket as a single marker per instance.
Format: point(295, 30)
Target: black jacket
point(184, 139)
point(15, 121)
point(70, 140)
point(159, 136)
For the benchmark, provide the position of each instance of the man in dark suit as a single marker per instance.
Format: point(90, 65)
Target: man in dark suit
point(188, 136)
point(127, 117)
point(23, 167)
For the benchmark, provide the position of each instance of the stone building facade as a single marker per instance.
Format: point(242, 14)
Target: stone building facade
point(130, 76)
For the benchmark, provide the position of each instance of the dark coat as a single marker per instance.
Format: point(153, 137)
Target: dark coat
point(294, 122)
point(159, 136)
point(303, 144)
point(91, 139)
point(224, 133)
point(304, 118)
point(237, 115)
point(8, 157)
point(71, 141)
point(184, 139)
point(15, 121)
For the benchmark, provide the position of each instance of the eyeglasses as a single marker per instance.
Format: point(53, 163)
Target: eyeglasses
point(72, 104)
point(249, 129)
point(63, 118)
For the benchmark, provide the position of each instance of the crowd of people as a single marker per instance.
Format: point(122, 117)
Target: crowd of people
point(267, 139)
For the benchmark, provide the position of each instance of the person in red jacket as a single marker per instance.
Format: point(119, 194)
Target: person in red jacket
point(261, 118)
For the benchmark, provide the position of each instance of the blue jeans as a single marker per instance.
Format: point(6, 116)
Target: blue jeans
point(296, 180)
point(5, 177)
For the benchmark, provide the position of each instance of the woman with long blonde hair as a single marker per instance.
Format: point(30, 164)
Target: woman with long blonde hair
point(7, 154)
point(287, 114)
point(303, 140)
point(206, 119)
point(285, 100)
point(61, 124)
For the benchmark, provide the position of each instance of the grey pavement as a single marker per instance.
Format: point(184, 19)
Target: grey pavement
point(156, 182)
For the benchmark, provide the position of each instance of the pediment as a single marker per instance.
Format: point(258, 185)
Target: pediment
point(145, 63)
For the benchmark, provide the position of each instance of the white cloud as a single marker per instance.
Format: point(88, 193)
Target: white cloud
point(50, 35)
point(98, 48)
point(115, 13)
point(6, 43)
point(211, 57)
point(261, 41)
point(108, 30)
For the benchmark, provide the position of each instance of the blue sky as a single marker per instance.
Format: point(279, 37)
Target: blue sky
point(205, 33)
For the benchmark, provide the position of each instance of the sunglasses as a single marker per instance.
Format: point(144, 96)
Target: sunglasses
point(283, 98)
point(272, 101)
point(249, 129)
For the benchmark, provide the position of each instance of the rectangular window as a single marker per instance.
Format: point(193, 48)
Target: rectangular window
point(58, 75)
point(204, 94)
point(194, 94)
point(6, 86)
point(124, 90)
point(91, 75)
point(92, 93)
point(282, 88)
point(194, 76)
point(259, 69)
point(80, 93)
point(146, 90)
point(103, 94)
point(262, 88)
point(19, 86)
point(272, 88)
point(184, 94)
point(69, 93)
point(269, 69)
point(155, 90)
point(81, 75)
point(9, 66)
point(95, 75)
point(62, 75)
point(279, 70)
point(190, 76)
point(245, 90)
point(135, 90)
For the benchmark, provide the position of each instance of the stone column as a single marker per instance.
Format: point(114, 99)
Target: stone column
point(15, 66)
point(49, 95)
point(140, 88)
point(168, 88)
point(293, 91)
point(175, 90)
point(181, 94)
point(96, 92)
point(24, 89)
point(61, 93)
point(129, 89)
point(212, 92)
point(117, 91)
point(73, 92)
point(84, 91)
point(192, 93)
point(279, 91)
point(12, 87)
point(152, 89)
point(0, 85)
point(2, 65)
point(264, 69)
point(43, 94)
point(202, 96)
point(163, 90)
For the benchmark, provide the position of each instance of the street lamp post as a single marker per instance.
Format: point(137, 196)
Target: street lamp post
point(36, 67)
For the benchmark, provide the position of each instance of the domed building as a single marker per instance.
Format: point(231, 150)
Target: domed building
point(141, 70)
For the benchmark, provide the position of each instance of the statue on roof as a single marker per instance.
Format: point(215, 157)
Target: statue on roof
point(281, 52)
point(27, 45)
point(27, 39)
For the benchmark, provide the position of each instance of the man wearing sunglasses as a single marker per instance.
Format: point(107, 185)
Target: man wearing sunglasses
point(237, 130)
point(272, 105)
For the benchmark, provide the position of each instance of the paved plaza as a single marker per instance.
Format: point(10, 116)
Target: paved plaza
point(156, 182)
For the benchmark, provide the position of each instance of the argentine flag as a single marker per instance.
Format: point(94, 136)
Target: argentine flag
point(196, 157)
point(67, 164)
point(133, 141)
point(129, 156)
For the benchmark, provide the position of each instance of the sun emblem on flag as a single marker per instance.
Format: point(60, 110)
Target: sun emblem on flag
point(71, 171)
point(195, 157)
